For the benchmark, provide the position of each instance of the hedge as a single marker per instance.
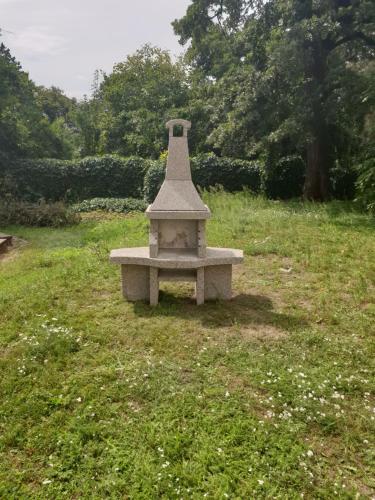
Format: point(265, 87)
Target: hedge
point(120, 205)
point(53, 180)
point(209, 170)
point(117, 177)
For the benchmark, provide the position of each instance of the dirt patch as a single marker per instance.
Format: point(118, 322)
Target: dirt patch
point(262, 332)
point(13, 250)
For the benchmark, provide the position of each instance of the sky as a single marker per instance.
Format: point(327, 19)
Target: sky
point(62, 42)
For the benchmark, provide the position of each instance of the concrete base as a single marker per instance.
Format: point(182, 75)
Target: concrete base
point(142, 273)
point(135, 282)
point(142, 282)
point(218, 282)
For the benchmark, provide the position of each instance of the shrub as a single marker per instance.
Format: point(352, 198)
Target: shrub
point(209, 170)
point(233, 175)
point(32, 180)
point(284, 178)
point(36, 214)
point(365, 185)
point(121, 205)
point(153, 180)
point(109, 176)
point(343, 181)
point(53, 180)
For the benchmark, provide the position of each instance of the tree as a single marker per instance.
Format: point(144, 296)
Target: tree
point(54, 103)
point(136, 99)
point(25, 130)
point(286, 73)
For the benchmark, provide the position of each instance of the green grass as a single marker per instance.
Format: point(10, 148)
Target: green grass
point(270, 395)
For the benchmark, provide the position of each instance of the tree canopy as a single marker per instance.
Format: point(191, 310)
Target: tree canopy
point(29, 114)
point(260, 79)
point(287, 75)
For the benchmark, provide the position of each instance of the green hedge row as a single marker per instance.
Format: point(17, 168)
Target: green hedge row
point(117, 177)
point(283, 180)
point(120, 205)
point(92, 177)
point(209, 170)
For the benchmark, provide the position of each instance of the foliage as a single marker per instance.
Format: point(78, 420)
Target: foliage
point(207, 171)
point(284, 178)
point(104, 176)
point(289, 74)
point(110, 176)
point(365, 194)
point(153, 180)
point(343, 181)
point(86, 119)
point(25, 125)
point(54, 103)
point(136, 100)
point(269, 395)
point(233, 175)
point(35, 214)
point(121, 205)
point(365, 186)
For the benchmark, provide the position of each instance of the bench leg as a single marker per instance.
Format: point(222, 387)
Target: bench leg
point(154, 286)
point(199, 286)
point(218, 282)
point(135, 281)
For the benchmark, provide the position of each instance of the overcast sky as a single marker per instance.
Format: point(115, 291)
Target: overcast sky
point(62, 42)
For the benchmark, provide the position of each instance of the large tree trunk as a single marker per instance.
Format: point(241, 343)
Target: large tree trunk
point(317, 172)
point(319, 150)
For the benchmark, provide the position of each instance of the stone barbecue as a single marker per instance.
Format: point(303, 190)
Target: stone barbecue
point(177, 248)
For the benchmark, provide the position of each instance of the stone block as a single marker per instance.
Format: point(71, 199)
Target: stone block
point(218, 282)
point(199, 286)
point(154, 286)
point(135, 282)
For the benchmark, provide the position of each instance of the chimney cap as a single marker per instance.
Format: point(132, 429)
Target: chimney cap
point(185, 124)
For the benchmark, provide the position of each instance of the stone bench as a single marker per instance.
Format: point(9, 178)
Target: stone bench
point(141, 274)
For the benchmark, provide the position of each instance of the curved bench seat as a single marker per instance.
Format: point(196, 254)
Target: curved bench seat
point(176, 258)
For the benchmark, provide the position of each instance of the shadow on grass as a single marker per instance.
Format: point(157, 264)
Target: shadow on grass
point(245, 310)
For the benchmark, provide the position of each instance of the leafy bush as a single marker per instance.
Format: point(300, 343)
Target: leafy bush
point(110, 176)
point(121, 205)
point(53, 180)
point(284, 178)
point(343, 181)
point(209, 170)
point(32, 180)
point(153, 180)
point(365, 185)
point(116, 177)
point(36, 214)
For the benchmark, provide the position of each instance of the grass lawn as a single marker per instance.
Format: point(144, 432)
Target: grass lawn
point(270, 395)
